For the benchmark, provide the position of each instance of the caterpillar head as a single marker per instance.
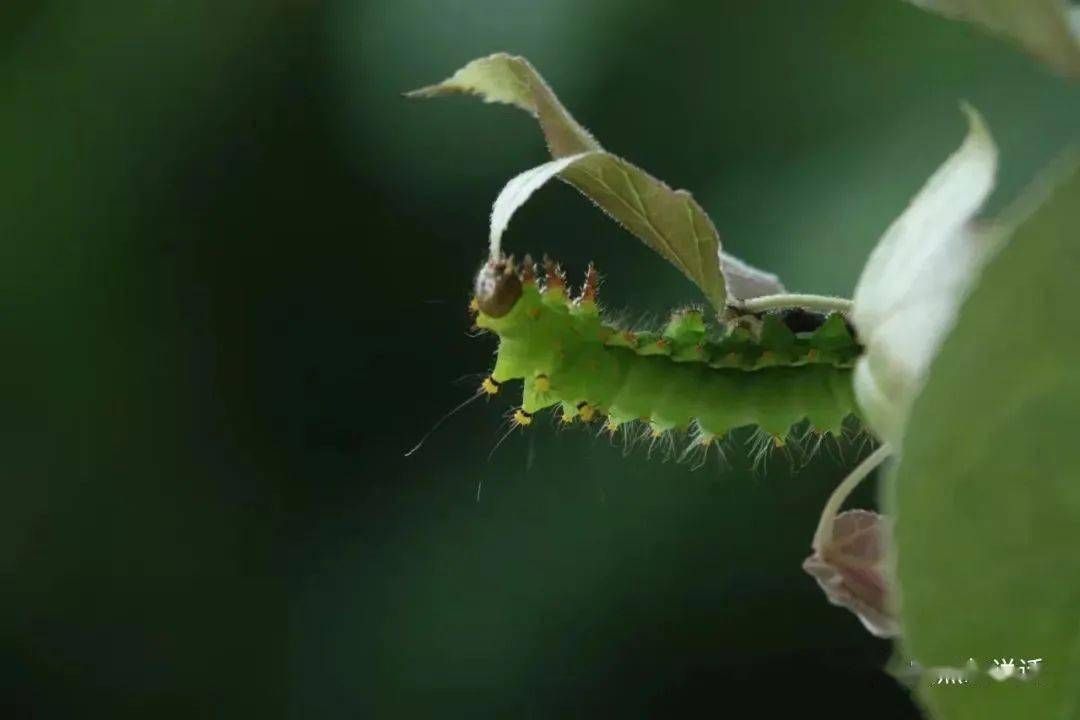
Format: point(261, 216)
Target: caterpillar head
point(498, 287)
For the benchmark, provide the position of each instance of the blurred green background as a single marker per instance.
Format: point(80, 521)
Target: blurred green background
point(235, 268)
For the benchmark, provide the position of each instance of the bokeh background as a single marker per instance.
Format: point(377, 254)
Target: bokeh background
point(235, 264)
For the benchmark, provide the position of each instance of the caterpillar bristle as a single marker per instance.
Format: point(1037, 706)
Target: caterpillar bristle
point(489, 386)
point(692, 444)
point(590, 287)
point(833, 447)
point(527, 273)
point(697, 451)
point(856, 435)
point(759, 447)
point(799, 438)
point(554, 280)
point(666, 440)
point(629, 437)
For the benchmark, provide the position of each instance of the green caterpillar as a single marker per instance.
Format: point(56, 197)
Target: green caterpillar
point(762, 372)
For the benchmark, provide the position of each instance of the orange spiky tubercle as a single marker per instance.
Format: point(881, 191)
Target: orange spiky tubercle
point(567, 356)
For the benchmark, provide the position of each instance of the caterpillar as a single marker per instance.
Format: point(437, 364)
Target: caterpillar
point(773, 370)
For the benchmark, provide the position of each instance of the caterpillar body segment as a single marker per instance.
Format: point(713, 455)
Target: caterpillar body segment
point(769, 374)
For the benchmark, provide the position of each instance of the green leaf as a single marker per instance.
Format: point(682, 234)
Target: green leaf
point(1042, 27)
point(987, 492)
point(512, 80)
point(669, 221)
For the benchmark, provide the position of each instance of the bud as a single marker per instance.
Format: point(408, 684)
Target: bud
point(850, 567)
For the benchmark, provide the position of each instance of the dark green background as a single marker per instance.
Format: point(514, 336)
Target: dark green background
point(234, 271)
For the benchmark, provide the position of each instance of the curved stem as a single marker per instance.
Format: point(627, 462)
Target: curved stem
point(819, 303)
point(840, 494)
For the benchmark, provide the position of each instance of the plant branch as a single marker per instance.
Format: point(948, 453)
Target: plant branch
point(819, 303)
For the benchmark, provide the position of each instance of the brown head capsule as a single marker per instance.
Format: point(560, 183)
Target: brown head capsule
point(498, 287)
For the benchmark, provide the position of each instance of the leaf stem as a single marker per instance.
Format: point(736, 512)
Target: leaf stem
point(820, 303)
point(840, 494)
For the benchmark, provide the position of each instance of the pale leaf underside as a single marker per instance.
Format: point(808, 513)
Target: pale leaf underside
point(909, 292)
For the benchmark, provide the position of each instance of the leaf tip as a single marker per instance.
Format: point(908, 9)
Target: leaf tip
point(977, 128)
point(423, 92)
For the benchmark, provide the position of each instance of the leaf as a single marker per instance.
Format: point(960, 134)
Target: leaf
point(516, 192)
point(669, 221)
point(1042, 27)
point(987, 491)
point(512, 80)
point(745, 281)
point(912, 286)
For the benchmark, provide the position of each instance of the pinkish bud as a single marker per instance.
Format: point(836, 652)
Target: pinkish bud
point(850, 567)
